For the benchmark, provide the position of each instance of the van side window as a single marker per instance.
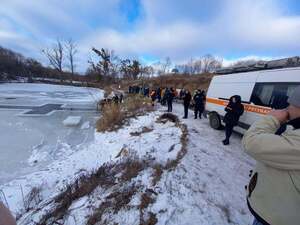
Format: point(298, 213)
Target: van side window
point(274, 95)
point(262, 94)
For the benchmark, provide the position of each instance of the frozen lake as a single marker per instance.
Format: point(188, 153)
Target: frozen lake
point(32, 129)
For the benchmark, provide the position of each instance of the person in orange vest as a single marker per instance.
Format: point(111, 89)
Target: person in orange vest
point(153, 96)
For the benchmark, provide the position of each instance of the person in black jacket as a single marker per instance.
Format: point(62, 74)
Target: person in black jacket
point(234, 110)
point(199, 98)
point(186, 103)
point(169, 97)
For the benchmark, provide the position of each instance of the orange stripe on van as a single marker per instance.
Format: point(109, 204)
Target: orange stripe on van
point(248, 107)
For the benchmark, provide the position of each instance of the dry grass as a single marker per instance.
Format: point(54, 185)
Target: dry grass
point(123, 152)
point(107, 90)
point(114, 116)
point(168, 117)
point(143, 131)
point(106, 177)
point(156, 176)
point(137, 104)
point(151, 220)
point(113, 203)
point(146, 200)
point(33, 198)
point(184, 141)
point(132, 170)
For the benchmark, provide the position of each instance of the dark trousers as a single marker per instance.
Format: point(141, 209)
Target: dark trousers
point(228, 131)
point(170, 107)
point(198, 110)
point(186, 110)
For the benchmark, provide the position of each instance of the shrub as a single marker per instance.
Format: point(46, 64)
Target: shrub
point(115, 115)
point(137, 103)
point(112, 118)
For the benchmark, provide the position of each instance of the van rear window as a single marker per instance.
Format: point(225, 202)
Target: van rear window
point(273, 95)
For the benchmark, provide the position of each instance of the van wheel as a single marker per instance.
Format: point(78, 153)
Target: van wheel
point(215, 121)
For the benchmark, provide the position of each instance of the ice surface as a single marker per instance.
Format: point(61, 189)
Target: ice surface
point(72, 121)
point(85, 125)
point(39, 94)
point(30, 142)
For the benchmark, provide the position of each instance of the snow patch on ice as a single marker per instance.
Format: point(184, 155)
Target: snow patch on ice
point(72, 121)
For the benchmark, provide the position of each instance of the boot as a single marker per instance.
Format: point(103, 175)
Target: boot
point(225, 142)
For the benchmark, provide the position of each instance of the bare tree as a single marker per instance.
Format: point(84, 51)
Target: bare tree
point(55, 55)
point(135, 69)
point(107, 67)
point(191, 66)
point(157, 68)
point(148, 71)
point(71, 50)
point(115, 64)
point(198, 66)
point(210, 63)
point(125, 68)
point(103, 64)
point(166, 65)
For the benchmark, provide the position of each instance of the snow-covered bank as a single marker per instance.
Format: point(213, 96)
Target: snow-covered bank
point(105, 148)
point(206, 187)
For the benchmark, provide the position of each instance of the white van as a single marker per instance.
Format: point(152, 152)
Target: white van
point(260, 91)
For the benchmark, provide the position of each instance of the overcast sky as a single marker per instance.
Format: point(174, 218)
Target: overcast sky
point(153, 29)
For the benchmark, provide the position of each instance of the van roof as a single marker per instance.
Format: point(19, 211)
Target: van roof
point(292, 74)
point(291, 62)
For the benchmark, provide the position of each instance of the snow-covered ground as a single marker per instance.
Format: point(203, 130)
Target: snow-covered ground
point(29, 142)
point(206, 187)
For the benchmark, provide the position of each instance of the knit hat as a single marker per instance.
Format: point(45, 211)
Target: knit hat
point(294, 99)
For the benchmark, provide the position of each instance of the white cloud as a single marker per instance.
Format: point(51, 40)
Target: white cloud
point(179, 29)
point(230, 62)
point(250, 26)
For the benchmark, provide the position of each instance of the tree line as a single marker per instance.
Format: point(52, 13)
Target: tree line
point(106, 65)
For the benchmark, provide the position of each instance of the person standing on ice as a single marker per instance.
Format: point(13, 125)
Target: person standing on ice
point(234, 110)
point(186, 103)
point(274, 189)
point(199, 98)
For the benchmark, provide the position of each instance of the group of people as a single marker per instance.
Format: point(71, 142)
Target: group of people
point(164, 96)
point(198, 102)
